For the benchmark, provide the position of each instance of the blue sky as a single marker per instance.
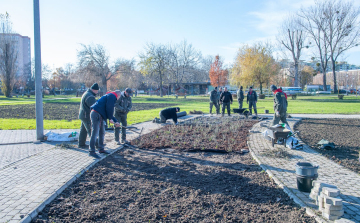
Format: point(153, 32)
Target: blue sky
point(125, 26)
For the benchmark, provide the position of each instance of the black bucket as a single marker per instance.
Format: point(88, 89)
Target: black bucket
point(304, 183)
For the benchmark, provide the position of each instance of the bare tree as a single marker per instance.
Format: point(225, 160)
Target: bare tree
point(8, 54)
point(313, 21)
point(341, 29)
point(94, 62)
point(155, 61)
point(292, 37)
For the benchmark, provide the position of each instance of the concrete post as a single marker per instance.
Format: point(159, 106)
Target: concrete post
point(38, 84)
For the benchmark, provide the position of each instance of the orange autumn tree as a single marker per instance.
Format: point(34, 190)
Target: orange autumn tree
point(218, 76)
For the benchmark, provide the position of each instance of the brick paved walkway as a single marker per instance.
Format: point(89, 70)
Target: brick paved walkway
point(283, 172)
point(32, 175)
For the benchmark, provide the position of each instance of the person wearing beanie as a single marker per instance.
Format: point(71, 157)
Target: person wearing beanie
point(251, 99)
point(280, 105)
point(214, 101)
point(101, 111)
point(87, 100)
point(122, 107)
point(169, 113)
point(240, 97)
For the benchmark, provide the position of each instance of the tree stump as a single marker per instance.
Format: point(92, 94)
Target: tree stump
point(341, 96)
point(293, 97)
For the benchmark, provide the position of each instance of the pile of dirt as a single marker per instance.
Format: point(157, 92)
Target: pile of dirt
point(137, 185)
point(205, 133)
point(345, 133)
point(61, 111)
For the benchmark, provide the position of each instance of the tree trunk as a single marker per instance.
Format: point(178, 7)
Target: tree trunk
point(334, 74)
point(161, 93)
point(104, 84)
point(261, 91)
point(296, 81)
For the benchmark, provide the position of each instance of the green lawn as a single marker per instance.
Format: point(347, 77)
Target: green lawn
point(302, 105)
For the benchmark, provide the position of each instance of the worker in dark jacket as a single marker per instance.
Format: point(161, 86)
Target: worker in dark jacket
point(122, 108)
point(240, 97)
point(226, 99)
point(169, 113)
point(280, 105)
point(219, 93)
point(101, 111)
point(251, 99)
point(87, 100)
point(214, 101)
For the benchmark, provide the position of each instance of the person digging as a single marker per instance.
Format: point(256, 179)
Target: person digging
point(280, 105)
point(87, 100)
point(102, 110)
point(122, 107)
point(168, 113)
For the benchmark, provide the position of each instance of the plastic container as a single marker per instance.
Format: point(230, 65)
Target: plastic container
point(304, 183)
point(306, 169)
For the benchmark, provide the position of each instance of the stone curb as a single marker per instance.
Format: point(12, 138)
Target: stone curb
point(293, 196)
point(29, 217)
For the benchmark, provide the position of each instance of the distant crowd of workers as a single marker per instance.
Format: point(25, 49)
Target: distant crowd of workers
point(225, 98)
point(114, 106)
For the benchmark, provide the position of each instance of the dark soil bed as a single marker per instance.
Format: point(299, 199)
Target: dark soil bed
point(169, 185)
point(61, 111)
point(345, 133)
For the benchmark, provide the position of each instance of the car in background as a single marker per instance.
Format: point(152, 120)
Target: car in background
point(344, 91)
point(352, 91)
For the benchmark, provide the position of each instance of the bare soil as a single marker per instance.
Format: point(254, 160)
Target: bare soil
point(161, 184)
point(61, 111)
point(345, 133)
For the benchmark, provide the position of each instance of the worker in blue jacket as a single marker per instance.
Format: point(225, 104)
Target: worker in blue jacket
point(101, 111)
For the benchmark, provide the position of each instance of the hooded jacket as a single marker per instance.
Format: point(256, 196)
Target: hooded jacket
point(123, 105)
point(87, 100)
point(280, 101)
point(105, 106)
point(170, 113)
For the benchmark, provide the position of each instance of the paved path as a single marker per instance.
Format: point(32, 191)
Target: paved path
point(283, 172)
point(32, 175)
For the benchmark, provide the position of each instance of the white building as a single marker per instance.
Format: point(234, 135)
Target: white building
point(22, 45)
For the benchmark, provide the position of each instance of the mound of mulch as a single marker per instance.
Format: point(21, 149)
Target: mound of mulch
point(345, 133)
point(226, 135)
point(61, 111)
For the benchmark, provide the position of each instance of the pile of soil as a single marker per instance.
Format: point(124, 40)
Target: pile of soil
point(170, 185)
point(137, 185)
point(201, 134)
point(61, 111)
point(345, 133)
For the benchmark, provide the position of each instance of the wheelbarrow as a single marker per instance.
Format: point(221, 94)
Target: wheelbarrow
point(242, 111)
point(276, 133)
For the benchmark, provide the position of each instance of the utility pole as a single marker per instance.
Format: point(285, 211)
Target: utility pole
point(38, 84)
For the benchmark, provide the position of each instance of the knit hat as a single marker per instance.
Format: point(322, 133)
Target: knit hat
point(241, 87)
point(129, 91)
point(215, 88)
point(273, 87)
point(95, 87)
point(250, 87)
